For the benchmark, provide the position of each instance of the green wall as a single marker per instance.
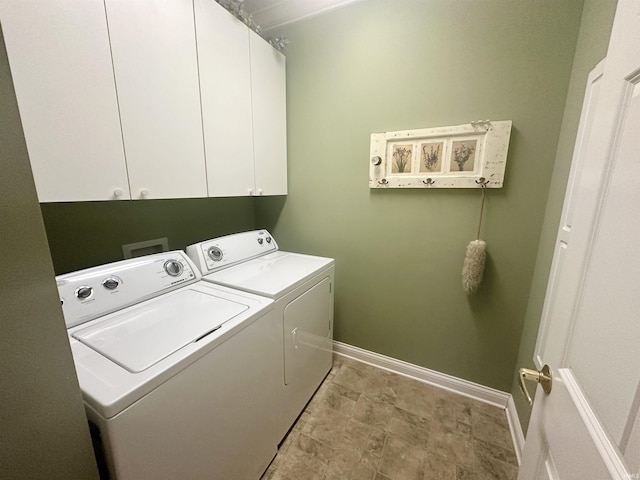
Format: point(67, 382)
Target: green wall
point(593, 39)
point(384, 65)
point(85, 234)
point(381, 65)
point(43, 429)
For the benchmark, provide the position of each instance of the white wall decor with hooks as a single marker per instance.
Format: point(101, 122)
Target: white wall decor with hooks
point(460, 156)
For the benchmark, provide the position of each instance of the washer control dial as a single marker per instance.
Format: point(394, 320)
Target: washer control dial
point(215, 254)
point(173, 267)
point(83, 292)
point(111, 283)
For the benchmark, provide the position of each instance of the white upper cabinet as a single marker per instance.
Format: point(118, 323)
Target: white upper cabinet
point(242, 80)
point(156, 72)
point(225, 79)
point(61, 66)
point(268, 93)
point(124, 99)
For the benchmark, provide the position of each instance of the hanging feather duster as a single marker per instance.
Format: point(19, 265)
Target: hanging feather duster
point(476, 256)
point(473, 267)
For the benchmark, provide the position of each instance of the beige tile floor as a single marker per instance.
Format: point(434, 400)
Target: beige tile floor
point(365, 423)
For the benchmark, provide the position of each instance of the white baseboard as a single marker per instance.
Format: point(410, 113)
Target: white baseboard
point(516, 430)
point(466, 388)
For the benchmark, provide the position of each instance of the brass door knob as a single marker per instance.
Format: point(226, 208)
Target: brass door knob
point(543, 377)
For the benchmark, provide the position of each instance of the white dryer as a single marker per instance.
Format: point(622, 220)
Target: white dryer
point(177, 374)
point(302, 288)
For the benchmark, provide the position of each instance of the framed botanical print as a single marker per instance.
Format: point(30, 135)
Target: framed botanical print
point(461, 156)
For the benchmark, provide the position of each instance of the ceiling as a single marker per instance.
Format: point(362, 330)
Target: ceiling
point(274, 13)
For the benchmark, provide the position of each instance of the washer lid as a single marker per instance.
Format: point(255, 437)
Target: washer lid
point(144, 335)
point(272, 275)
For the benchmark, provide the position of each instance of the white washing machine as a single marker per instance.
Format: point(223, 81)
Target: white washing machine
point(302, 288)
point(177, 374)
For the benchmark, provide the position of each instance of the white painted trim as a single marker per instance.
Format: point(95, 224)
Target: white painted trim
point(283, 12)
point(472, 390)
point(466, 388)
point(517, 435)
point(611, 455)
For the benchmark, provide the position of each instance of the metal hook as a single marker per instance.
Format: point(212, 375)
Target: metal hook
point(383, 181)
point(482, 182)
point(429, 181)
point(481, 123)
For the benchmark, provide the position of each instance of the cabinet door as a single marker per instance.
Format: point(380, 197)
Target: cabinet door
point(225, 82)
point(156, 72)
point(269, 117)
point(61, 67)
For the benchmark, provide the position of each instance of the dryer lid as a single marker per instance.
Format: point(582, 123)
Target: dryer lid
point(141, 336)
point(272, 275)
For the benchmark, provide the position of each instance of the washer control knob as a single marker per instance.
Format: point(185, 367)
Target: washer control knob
point(83, 292)
point(260, 240)
point(215, 254)
point(173, 267)
point(268, 239)
point(61, 301)
point(111, 283)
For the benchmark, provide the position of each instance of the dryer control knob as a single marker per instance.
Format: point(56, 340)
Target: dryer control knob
point(173, 267)
point(215, 254)
point(268, 239)
point(111, 283)
point(83, 292)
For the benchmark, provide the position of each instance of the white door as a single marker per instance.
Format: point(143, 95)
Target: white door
point(588, 427)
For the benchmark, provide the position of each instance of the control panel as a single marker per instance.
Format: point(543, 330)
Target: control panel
point(97, 291)
point(222, 252)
